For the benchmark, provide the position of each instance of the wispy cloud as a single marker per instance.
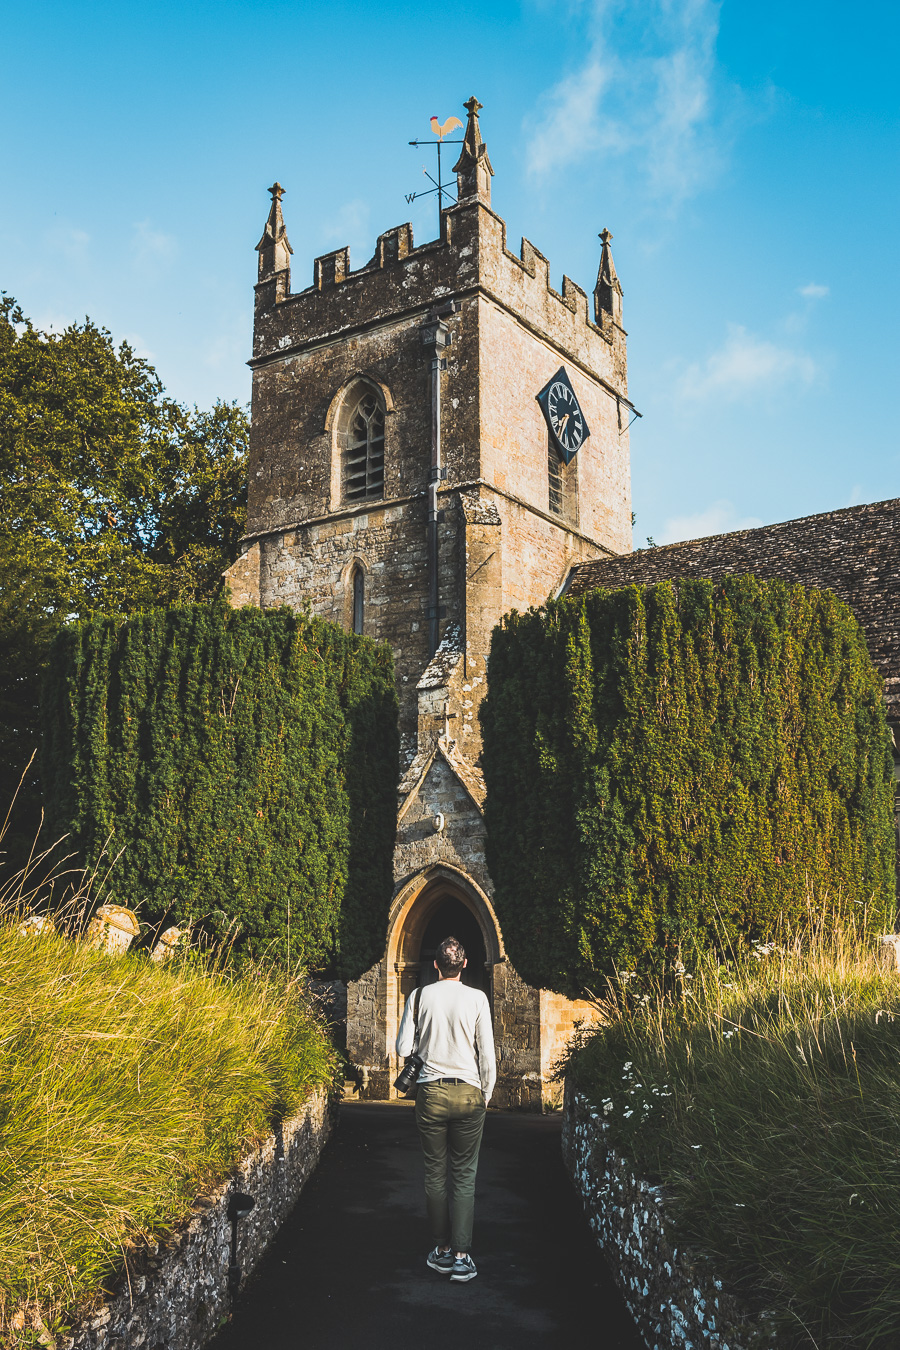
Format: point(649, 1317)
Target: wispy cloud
point(813, 291)
point(71, 242)
point(151, 247)
point(646, 90)
point(743, 365)
point(720, 517)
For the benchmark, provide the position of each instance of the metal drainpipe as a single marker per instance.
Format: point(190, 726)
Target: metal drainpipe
point(436, 336)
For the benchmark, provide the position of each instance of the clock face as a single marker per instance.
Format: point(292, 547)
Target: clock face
point(563, 413)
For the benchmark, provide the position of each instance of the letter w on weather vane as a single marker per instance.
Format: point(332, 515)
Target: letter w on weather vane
point(440, 130)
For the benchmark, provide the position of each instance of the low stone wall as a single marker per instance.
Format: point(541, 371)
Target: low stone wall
point(175, 1295)
point(675, 1299)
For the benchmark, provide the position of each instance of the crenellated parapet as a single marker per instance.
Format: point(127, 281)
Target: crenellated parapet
point(470, 259)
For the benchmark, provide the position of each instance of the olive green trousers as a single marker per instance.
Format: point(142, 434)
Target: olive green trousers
point(450, 1117)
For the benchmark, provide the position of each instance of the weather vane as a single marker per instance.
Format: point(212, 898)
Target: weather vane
point(440, 130)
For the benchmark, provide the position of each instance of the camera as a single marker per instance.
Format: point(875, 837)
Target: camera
point(407, 1076)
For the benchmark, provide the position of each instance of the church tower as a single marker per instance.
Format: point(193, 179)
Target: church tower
point(437, 438)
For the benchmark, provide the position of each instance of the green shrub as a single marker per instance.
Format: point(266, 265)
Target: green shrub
point(765, 1100)
point(680, 764)
point(126, 1089)
point(239, 767)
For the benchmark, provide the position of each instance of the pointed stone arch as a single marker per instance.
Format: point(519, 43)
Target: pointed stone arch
point(360, 377)
point(354, 587)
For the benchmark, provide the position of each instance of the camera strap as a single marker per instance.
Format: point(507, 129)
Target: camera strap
point(416, 1018)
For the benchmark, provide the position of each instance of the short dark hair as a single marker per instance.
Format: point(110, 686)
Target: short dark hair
point(450, 956)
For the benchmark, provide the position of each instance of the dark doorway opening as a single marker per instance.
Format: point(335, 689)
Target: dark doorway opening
point(454, 919)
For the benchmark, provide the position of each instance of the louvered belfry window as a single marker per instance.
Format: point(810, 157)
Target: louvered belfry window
point(364, 450)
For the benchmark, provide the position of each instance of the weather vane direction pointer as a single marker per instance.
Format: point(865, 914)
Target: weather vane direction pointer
point(440, 187)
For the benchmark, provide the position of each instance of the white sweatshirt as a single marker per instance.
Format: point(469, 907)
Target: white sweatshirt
point(456, 1039)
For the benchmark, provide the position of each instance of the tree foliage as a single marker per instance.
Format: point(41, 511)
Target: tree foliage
point(113, 499)
point(680, 765)
point(237, 766)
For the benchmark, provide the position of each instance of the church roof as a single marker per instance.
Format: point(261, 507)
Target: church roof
point(855, 553)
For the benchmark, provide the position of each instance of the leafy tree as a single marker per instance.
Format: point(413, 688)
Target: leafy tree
point(113, 499)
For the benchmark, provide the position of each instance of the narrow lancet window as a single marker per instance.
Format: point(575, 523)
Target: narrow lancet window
point(359, 600)
point(363, 468)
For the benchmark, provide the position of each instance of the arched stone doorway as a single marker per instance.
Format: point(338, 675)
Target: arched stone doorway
point(453, 918)
point(437, 903)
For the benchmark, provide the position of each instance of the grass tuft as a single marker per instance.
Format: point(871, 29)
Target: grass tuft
point(765, 1095)
point(126, 1089)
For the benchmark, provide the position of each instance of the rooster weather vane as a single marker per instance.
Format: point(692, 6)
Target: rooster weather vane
point(440, 130)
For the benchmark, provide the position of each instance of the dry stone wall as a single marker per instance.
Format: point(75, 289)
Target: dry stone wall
point(175, 1294)
point(674, 1297)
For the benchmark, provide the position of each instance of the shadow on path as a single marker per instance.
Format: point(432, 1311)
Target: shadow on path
point(348, 1267)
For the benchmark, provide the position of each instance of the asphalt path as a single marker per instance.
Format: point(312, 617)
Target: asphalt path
point(348, 1267)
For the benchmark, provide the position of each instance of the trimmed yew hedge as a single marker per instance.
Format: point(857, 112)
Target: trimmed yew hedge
point(681, 766)
point(238, 765)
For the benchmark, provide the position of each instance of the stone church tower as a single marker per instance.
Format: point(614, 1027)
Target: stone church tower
point(403, 483)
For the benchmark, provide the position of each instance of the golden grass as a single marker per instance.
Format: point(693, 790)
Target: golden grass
point(765, 1094)
point(126, 1089)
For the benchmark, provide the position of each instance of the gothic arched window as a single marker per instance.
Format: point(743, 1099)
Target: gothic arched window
point(359, 600)
point(362, 468)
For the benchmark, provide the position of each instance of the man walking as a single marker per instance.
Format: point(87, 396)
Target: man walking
point(456, 1043)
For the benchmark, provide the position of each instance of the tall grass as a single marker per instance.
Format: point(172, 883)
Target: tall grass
point(126, 1089)
point(765, 1095)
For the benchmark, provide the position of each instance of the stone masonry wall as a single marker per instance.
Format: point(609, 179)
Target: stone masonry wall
point(560, 1019)
point(176, 1294)
point(514, 365)
point(461, 841)
point(366, 1032)
point(499, 545)
point(517, 1033)
point(674, 1297)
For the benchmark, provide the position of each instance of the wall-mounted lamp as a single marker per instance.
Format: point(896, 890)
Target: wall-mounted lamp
point(239, 1206)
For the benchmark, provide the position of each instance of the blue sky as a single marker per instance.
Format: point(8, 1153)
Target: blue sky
point(744, 155)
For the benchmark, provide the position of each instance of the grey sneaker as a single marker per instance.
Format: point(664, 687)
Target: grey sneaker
point(463, 1270)
point(442, 1262)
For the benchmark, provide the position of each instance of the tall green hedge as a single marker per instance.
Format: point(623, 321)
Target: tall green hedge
point(242, 765)
point(681, 764)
